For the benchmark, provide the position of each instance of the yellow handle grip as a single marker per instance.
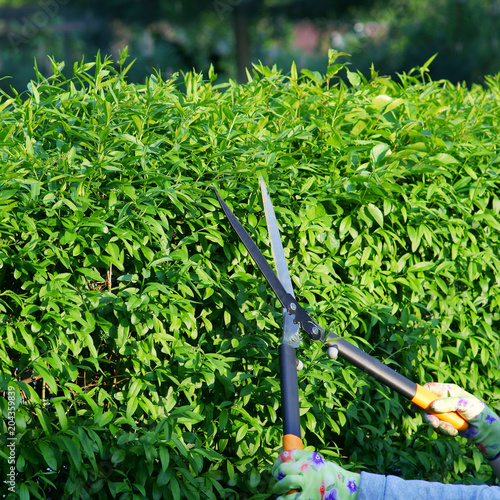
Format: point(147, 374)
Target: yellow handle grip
point(424, 398)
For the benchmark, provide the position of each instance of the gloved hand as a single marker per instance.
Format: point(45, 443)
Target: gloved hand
point(484, 424)
point(316, 478)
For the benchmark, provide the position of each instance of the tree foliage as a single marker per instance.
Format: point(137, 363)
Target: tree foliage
point(464, 34)
point(140, 340)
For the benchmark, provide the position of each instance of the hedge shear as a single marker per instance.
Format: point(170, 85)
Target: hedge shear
point(295, 317)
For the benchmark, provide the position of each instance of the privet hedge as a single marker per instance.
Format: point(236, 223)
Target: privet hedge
point(137, 335)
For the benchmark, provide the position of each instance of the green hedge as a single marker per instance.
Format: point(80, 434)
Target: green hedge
point(139, 337)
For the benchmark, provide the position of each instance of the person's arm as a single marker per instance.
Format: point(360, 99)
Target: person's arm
point(308, 475)
point(311, 477)
point(377, 487)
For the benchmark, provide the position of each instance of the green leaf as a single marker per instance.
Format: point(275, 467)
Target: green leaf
point(379, 152)
point(174, 488)
point(24, 493)
point(104, 419)
point(354, 78)
point(61, 415)
point(344, 226)
point(48, 454)
point(377, 214)
point(73, 450)
point(135, 388)
point(445, 159)
point(118, 456)
point(241, 433)
point(42, 370)
point(132, 404)
point(421, 266)
point(254, 478)
point(164, 458)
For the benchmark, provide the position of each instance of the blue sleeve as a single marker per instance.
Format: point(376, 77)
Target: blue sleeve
point(377, 487)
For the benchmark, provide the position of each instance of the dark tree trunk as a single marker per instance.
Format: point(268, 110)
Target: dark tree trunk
point(241, 28)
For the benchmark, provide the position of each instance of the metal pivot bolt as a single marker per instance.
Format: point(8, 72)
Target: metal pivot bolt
point(293, 306)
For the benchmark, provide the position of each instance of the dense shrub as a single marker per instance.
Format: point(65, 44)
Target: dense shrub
point(140, 339)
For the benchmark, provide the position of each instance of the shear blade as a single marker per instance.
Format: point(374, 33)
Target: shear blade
point(290, 329)
point(299, 315)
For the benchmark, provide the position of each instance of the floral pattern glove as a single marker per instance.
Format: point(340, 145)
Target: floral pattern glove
point(484, 424)
point(314, 477)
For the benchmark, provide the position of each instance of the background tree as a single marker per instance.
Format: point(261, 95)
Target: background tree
point(465, 35)
point(229, 34)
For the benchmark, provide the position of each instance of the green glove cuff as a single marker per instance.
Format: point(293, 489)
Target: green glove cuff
point(314, 477)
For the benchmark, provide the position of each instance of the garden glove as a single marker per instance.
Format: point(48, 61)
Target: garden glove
point(314, 477)
point(484, 424)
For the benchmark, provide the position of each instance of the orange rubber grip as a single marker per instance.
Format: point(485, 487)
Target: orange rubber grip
point(424, 398)
point(291, 442)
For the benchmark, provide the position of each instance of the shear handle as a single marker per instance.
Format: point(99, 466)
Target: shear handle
point(290, 399)
point(410, 390)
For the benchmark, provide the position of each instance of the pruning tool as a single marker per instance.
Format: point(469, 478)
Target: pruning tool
point(295, 317)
